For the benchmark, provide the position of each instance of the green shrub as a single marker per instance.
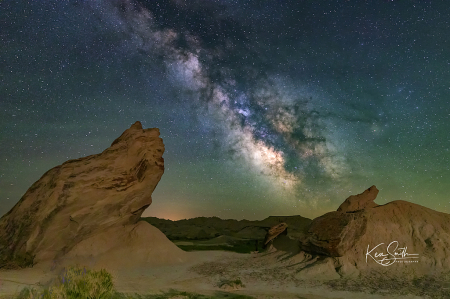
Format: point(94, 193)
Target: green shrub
point(76, 283)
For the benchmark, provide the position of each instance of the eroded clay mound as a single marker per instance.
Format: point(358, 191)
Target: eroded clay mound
point(398, 238)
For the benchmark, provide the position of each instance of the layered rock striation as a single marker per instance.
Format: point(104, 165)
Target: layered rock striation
point(91, 207)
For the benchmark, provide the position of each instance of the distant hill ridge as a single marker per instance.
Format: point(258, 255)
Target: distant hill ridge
point(201, 228)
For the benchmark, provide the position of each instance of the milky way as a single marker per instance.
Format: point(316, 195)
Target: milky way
point(273, 128)
point(274, 107)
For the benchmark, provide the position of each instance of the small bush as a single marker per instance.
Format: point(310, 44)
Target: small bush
point(76, 283)
point(228, 283)
point(80, 283)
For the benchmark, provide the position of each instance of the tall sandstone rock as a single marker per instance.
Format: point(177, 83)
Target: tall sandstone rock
point(89, 208)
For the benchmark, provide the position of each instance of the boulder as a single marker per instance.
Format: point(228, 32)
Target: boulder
point(334, 233)
point(91, 207)
point(275, 231)
point(359, 202)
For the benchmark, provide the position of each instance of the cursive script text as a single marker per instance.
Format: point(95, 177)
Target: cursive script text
point(392, 254)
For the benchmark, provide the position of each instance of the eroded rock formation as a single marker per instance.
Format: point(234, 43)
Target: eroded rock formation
point(275, 231)
point(413, 239)
point(90, 206)
point(335, 233)
point(360, 202)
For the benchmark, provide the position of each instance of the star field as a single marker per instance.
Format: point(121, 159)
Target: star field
point(265, 107)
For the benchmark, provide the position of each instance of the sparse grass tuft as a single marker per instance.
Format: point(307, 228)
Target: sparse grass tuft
point(231, 283)
point(430, 286)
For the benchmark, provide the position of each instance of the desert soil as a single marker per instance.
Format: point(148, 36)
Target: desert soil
point(264, 275)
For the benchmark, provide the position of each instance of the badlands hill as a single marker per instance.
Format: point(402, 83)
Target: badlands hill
point(362, 238)
point(72, 211)
point(203, 228)
point(213, 233)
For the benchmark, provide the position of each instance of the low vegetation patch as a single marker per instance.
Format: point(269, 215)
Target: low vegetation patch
point(76, 283)
point(81, 283)
point(429, 286)
point(231, 284)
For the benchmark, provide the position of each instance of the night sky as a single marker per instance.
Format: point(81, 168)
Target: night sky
point(265, 107)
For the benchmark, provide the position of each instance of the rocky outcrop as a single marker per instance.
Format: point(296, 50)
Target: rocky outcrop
point(360, 202)
point(90, 206)
point(335, 233)
point(398, 237)
point(275, 231)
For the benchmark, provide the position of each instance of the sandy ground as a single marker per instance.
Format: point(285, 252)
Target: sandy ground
point(262, 274)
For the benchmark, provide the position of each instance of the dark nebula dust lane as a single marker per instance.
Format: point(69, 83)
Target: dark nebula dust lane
point(265, 107)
